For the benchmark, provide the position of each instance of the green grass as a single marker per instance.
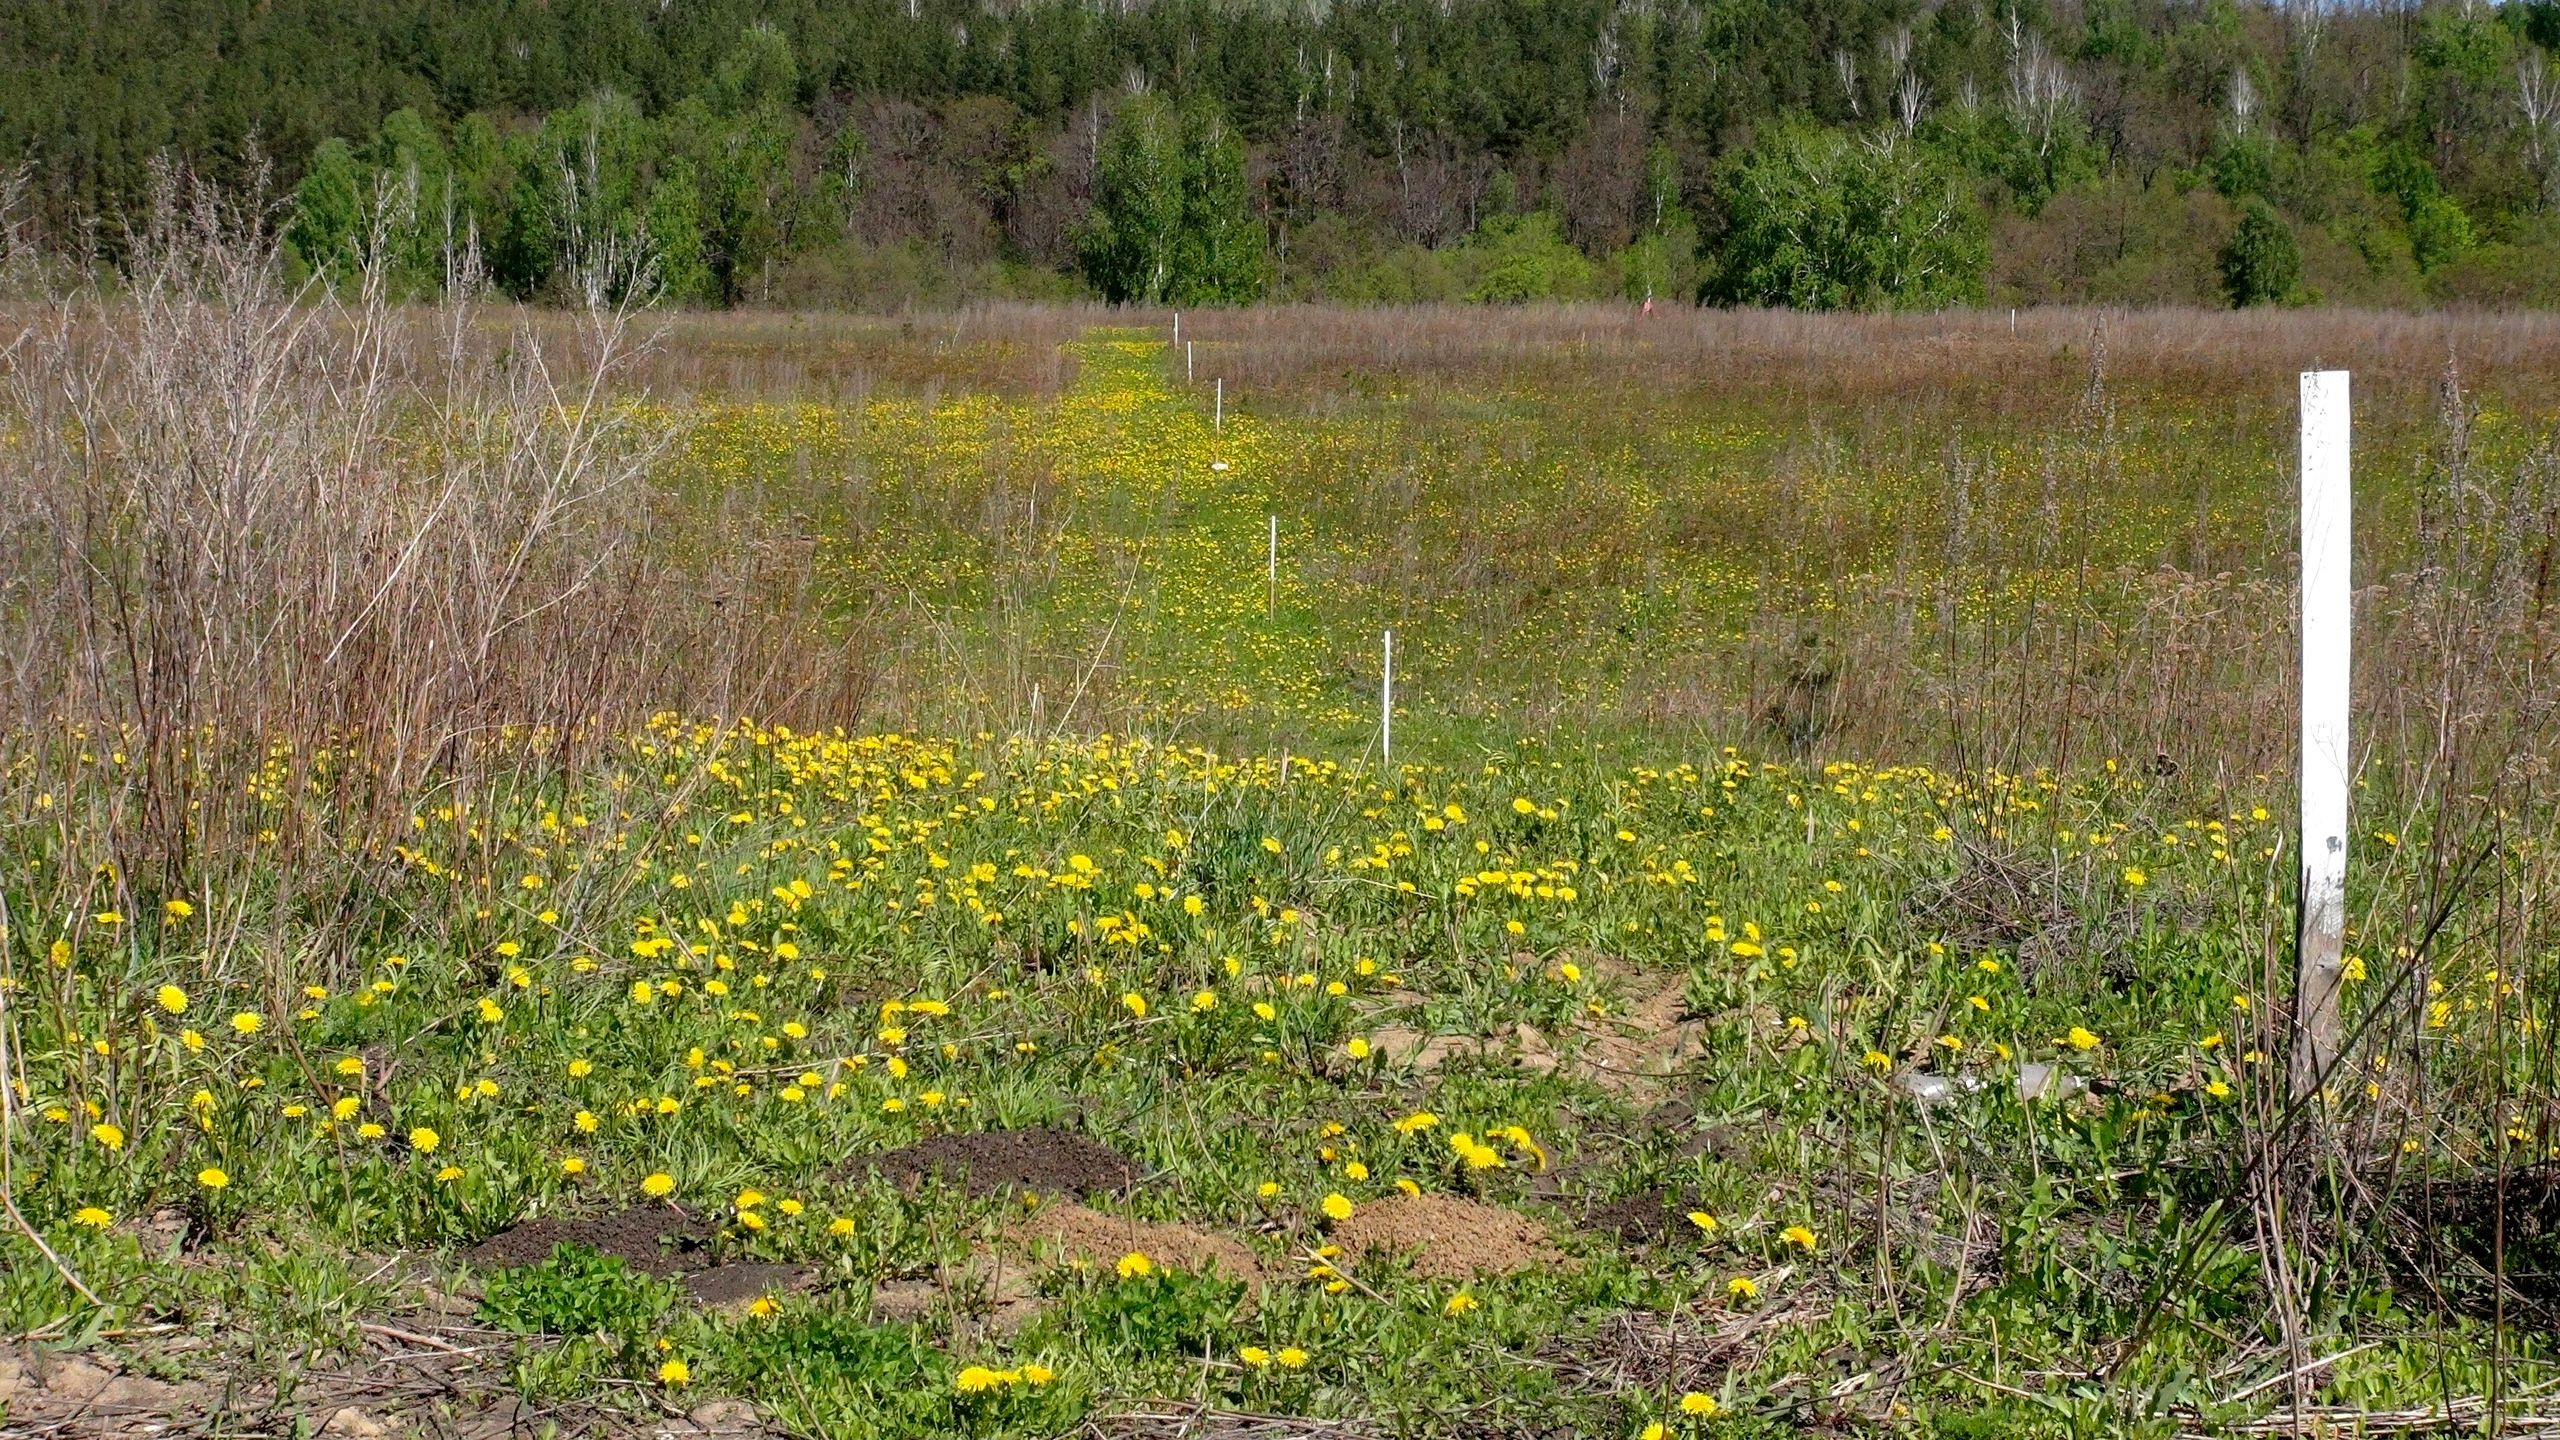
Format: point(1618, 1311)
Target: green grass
point(2086, 1252)
point(727, 959)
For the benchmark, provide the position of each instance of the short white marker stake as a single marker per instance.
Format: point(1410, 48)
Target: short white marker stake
point(1387, 698)
point(1219, 420)
point(2327, 599)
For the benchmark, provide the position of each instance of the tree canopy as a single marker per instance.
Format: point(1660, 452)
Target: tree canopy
point(1829, 152)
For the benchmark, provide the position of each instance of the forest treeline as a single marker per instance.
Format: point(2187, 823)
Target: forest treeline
point(1817, 153)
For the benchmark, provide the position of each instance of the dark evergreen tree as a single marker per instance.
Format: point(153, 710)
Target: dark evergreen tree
point(2260, 263)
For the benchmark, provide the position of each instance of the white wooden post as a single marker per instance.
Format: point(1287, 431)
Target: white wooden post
point(1219, 420)
point(2327, 596)
point(1271, 598)
point(1177, 327)
point(1190, 356)
point(1387, 698)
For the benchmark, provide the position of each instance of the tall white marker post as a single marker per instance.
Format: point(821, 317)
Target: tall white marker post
point(1219, 423)
point(1190, 354)
point(2327, 596)
point(1387, 698)
point(1177, 327)
point(1271, 594)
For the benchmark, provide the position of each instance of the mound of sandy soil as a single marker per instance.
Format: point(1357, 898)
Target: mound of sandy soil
point(1075, 1233)
point(1444, 1238)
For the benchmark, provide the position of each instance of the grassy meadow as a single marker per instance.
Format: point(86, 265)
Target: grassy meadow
point(803, 876)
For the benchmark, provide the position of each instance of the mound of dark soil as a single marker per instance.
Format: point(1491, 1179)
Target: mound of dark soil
point(1647, 1217)
point(652, 1239)
point(1043, 1161)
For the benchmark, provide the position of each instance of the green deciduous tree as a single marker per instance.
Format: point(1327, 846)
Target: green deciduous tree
point(1525, 257)
point(750, 202)
point(1173, 221)
point(1663, 259)
point(1128, 245)
point(674, 226)
point(1825, 220)
point(1223, 256)
point(328, 211)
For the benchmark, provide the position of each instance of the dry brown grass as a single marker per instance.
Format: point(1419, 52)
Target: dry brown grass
point(260, 540)
point(1968, 358)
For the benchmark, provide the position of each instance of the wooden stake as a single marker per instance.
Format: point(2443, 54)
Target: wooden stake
point(2327, 599)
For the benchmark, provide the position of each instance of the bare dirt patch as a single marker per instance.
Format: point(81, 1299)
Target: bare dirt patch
point(1447, 1239)
point(903, 1302)
point(1639, 1050)
point(1076, 1234)
point(985, 1296)
point(1043, 1161)
point(1633, 1053)
point(729, 1288)
point(1525, 1048)
point(75, 1394)
point(654, 1240)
